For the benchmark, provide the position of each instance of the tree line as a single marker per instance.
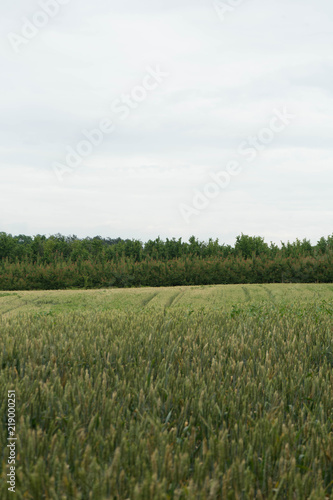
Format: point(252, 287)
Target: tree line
point(58, 261)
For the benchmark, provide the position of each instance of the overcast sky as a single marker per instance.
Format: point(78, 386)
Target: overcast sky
point(181, 88)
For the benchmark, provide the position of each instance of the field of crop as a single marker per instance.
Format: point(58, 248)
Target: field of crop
point(218, 392)
point(212, 297)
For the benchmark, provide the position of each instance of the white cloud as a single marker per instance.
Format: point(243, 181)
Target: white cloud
point(225, 80)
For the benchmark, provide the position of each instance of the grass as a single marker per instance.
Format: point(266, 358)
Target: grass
point(183, 393)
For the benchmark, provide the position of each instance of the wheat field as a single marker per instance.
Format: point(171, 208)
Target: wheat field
point(221, 392)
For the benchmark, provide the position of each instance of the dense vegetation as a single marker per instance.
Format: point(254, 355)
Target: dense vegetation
point(171, 403)
point(58, 262)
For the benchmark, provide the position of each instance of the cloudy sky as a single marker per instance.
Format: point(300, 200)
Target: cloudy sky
point(171, 118)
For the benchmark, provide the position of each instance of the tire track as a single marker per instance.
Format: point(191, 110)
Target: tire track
point(269, 293)
point(246, 293)
point(172, 299)
point(146, 301)
point(26, 302)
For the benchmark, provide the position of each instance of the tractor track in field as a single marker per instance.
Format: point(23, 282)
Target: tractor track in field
point(26, 302)
point(172, 299)
point(269, 293)
point(13, 309)
point(246, 293)
point(147, 300)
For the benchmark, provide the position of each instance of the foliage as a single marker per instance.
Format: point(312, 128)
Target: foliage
point(60, 262)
